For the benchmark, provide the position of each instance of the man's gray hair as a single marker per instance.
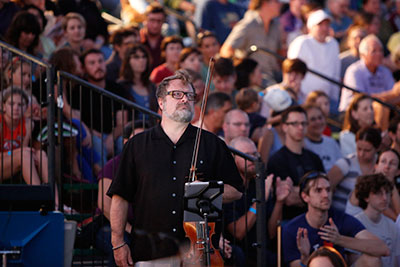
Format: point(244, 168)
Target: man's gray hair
point(182, 75)
point(216, 101)
point(233, 113)
point(363, 48)
point(240, 139)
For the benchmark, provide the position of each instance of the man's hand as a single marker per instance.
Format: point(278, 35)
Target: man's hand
point(123, 257)
point(330, 232)
point(268, 185)
point(224, 244)
point(283, 189)
point(303, 243)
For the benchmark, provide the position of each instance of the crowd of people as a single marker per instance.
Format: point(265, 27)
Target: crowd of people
point(331, 154)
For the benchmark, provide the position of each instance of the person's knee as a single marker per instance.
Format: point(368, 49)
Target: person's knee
point(368, 261)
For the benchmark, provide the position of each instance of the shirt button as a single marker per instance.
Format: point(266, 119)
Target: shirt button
point(174, 162)
point(173, 212)
point(173, 195)
point(173, 229)
point(201, 162)
point(174, 147)
point(174, 178)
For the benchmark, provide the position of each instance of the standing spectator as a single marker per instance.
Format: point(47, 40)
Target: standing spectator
point(293, 160)
point(373, 194)
point(150, 34)
point(321, 225)
point(171, 47)
point(220, 16)
point(344, 173)
point(291, 21)
point(359, 114)
point(120, 39)
point(351, 55)
point(258, 27)
point(135, 73)
point(325, 147)
point(24, 32)
point(367, 75)
point(338, 10)
point(374, 7)
point(319, 52)
point(74, 26)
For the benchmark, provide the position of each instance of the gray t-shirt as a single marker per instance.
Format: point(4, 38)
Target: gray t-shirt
point(387, 231)
point(327, 149)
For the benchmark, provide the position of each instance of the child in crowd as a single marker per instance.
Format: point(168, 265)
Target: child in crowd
point(320, 99)
point(16, 132)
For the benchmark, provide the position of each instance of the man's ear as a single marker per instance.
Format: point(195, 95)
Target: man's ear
point(304, 197)
point(160, 104)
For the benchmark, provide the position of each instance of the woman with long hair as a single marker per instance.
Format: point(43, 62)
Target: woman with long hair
point(358, 114)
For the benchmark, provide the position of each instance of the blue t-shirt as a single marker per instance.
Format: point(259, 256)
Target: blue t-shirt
point(347, 225)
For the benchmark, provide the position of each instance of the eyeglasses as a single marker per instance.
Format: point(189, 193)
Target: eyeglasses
point(297, 123)
point(312, 175)
point(179, 95)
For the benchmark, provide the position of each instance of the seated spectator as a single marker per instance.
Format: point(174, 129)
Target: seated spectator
point(46, 45)
point(325, 147)
point(291, 21)
point(219, 17)
point(321, 225)
point(199, 87)
point(209, 47)
point(17, 157)
point(24, 32)
point(249, 101)
point(248, 73)
point(240, 215)
point(190, 59)
point(321, 100)
point(8, 10)
point(319, 52)
point(387, 164)
point(105, 177)
point(259, 27)
point(236, 123)
point(394, 133)
point(354, 36)
point(369, 21)
point(151, 35)
point(367, 75)
point(344, 173)
point(273, 139)
point(224, 76)
point(293, 72)
point(135, 73)
point(338, 10)
point(373, 194)
point(359, 114)
point(298, 160)
point(121, 39)
point(218, 104)
point(171, 47)
point(326, 256)
point(374, 7)
point(74, 26)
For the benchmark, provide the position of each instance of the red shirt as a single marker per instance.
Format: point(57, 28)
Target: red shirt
point(11, 139)
point(159, 73)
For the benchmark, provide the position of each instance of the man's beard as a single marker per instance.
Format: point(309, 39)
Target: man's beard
point(96, 78)
point(181, 115)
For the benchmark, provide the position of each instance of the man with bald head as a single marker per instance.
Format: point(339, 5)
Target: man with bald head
point(236, 123)
point(367, 75)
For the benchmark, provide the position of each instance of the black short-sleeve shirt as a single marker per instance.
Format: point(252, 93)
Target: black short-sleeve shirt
point(151, 176)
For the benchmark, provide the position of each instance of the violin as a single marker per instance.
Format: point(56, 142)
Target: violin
point(201, 251)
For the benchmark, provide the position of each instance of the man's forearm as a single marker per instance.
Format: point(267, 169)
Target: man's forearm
point(118, 218)
point(373, 247)
point(230, 194)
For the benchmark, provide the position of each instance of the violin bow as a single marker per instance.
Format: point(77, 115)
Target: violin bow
point(210, 72)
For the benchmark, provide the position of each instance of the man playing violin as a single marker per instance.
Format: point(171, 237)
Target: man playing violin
point(153, 169)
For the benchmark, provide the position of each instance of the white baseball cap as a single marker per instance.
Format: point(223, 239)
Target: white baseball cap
point(316, 17)
point(277, 99)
